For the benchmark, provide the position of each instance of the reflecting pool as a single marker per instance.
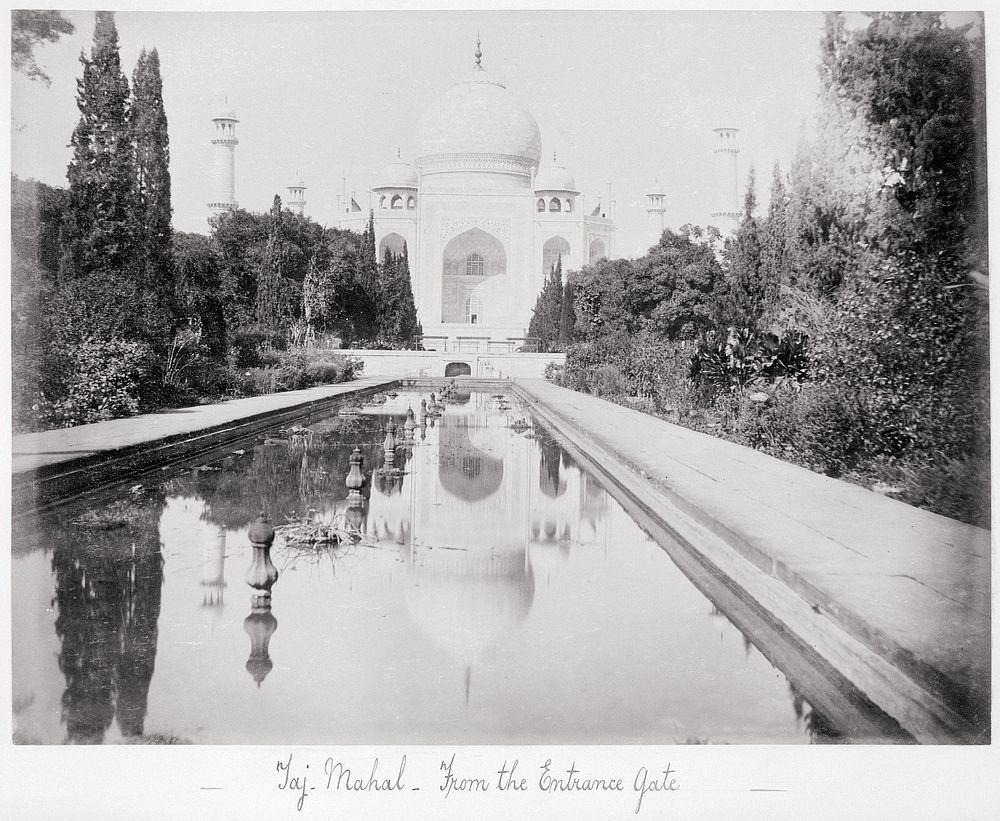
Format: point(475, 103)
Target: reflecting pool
point(500, 595)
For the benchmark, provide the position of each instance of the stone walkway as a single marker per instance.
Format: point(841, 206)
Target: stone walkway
point(912, 585)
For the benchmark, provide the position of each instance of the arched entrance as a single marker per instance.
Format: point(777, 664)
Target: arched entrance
point(394, 242)
point(554, 248)
point(458, 369)
point(471, 264)
point(597, 251)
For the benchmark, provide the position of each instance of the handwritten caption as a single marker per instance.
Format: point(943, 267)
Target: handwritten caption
point(300, 780)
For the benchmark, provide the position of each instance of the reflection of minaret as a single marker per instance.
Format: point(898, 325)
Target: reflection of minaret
point(223, 175)
point(726, 153)
point(213, 579)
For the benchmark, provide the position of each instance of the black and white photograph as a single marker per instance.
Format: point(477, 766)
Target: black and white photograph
point(484, 412)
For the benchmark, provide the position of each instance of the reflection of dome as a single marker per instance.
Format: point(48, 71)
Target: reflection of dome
point(478, 115)
point(467, 606)
point(396, 174)
point(464, 470)
point(554, 177)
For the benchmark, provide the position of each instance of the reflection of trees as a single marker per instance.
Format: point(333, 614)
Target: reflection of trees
point(549, 480)
point(820, 730)
point(288, 476)
point(109, 571)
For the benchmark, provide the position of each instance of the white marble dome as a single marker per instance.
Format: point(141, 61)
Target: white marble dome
point(555, 177)
point(397, 173)
point(478, 116)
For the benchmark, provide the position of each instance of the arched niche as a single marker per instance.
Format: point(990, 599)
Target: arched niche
point(552, 250)
point(394, 242)
point(397, 202)
point(469, 261)
point(458, 369)
point(597, 250)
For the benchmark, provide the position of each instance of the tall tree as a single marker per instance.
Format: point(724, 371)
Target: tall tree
point(271, 271)
point(28, 29)
point(567, 316)
point(406, 327)
point(546, 319)
point(774, 253)
point(99, 231)
point(151, 143)
point(367, 296)
point(749, 299)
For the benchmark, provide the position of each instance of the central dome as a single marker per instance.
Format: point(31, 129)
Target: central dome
point(479, 116)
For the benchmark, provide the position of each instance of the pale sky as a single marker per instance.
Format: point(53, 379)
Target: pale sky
point(623, 97)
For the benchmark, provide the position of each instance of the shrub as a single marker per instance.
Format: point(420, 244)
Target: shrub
point(249, 343)
point(554, 372)
point(607, 380)
point(103, 382)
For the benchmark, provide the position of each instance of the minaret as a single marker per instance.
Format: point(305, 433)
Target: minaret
point(224, 142)
point(297, 196)
point(654, 206)
point(726, 206)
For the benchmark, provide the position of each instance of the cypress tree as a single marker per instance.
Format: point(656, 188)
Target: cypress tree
point(747, 304)
point(407, 325)
point(386, 297)
point(151, 143)
point(567, 317)
point(99, 230)
point(774, 244)
point(271, 271)
point(366, 275)
point(546, 319)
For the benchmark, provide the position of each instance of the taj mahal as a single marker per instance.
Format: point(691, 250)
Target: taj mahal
point(483, 218)
point(483, 215)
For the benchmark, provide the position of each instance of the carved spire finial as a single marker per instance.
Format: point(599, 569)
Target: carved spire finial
point(479, 53)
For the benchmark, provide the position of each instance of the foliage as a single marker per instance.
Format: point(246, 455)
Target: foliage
point(753, 290)
point(546, 320)
point(103, 382)
point(271, 272)
point(99, 233)
point(29, 29)
point(151, 144)
point(396, 310)
point(744, 356)
point(197, 278)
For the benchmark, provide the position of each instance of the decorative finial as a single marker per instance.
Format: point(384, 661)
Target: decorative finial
point(553, 156)
point(479, 54)
point(399, 153)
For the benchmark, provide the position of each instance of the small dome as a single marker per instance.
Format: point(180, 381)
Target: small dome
point(222, 109)
point(555, 177)
point(478, 115)
point(396, 174)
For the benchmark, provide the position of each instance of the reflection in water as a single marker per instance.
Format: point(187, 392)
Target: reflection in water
point(260, 626)
point(109, 572)
point(500, 594)
point(213, 578)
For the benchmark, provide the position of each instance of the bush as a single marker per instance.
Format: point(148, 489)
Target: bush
point(819, 426)
point(249, 343)
point(554, 372)
point(607, 380)
point(103, 382)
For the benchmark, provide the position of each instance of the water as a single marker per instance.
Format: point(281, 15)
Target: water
point(501, 596)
